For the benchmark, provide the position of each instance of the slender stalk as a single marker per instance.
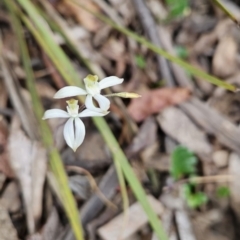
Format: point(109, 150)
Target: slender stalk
point(226, 11)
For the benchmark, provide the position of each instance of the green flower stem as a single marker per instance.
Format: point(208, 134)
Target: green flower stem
point(119, 156)
point(226, 11)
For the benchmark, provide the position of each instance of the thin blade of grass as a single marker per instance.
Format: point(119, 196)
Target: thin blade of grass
point(44, 38)
point(193, 70)
point(55, 160)
point(226, 11)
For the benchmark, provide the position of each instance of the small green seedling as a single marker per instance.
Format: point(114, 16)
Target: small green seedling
point(181, 52)
point(223, 192)
point(183, 164)
point(177, 8)
point(140, 61)
point(194, 200)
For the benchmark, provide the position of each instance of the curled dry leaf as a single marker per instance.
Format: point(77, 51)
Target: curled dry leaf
point(154, 101)
point(29, 162)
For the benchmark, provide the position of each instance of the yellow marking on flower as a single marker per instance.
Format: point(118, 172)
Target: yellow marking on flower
point(72, 103)
point(93, 78)
point(72, 107)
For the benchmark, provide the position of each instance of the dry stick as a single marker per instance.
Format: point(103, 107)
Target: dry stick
point(151, 30)
point(93, 184)
point(202, 180)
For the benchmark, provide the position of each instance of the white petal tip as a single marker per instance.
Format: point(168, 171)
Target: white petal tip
point(105, 112)
point(58, 96)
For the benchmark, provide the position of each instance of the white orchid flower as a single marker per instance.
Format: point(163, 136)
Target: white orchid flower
point(74, 129)
point(93, 90)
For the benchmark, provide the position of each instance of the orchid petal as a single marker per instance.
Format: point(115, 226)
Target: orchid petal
point(90, 113)
point(69, 91)
point(79, 133)
point(55, 113)
point(89, 104)
point(103, 102)
point(68, 133)
point(110, 81)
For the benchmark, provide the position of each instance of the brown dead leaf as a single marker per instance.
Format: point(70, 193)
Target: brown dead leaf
point(145, 137)
point(125, 8)
point(224, 60)
point(44, 89)
point(7, 230)
point(29, 162)
point(154, 101)
point(180, 127)
point(135, 221)
point(114, 49)
point(86, 19)
point(50, 230)
point(10, 198)
point(4, 161)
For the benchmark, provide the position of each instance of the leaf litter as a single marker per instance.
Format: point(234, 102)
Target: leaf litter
point(29, 162)
point(204, 119)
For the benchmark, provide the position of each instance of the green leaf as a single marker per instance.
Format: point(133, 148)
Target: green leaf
point(140, 61)
point(181, 52)
point(183, 162)
point(177, 8)
point(197, 200)
point(223, 192)
point(194, 200)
